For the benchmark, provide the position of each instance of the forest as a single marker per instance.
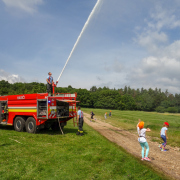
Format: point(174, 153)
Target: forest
point(104, 98)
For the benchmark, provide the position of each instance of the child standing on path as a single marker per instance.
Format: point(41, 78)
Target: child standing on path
point(110, 114)
point(142, 139)
point(164, 137)
point(105, 115)
point(92, 114)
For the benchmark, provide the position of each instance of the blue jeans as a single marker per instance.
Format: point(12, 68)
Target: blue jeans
point(164, 139)
point(147, 149)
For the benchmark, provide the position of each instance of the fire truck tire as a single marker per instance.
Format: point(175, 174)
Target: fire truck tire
point(31, 125)
point(19, 124)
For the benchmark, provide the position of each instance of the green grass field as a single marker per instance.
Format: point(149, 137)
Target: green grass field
point(50, 155)
point(129, 119)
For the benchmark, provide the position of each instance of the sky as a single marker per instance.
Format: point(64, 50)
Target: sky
point(126, 43)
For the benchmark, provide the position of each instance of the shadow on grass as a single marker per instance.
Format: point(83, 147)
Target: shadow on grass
point(46, 131)
point(5, 127)
point(5, 144)
point(57, 132)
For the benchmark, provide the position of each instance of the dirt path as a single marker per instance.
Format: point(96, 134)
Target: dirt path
point(168, 162)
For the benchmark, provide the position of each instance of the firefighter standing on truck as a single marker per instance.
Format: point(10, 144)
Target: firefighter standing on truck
point(80, 122)
point(49, 83)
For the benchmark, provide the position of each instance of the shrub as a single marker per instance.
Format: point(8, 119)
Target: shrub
point(172, 110)
point(160, 109)
point(178, 108)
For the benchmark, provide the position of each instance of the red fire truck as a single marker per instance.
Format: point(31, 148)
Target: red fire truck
point(32, 112)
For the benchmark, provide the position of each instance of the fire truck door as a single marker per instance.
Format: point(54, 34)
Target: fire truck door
point(62, 108)
point(3, 112)
point(42, 108)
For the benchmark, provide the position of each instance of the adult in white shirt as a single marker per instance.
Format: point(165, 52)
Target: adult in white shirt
point(80, 122)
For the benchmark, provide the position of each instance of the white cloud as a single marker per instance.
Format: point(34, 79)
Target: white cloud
point(28, 6)
point(152, 40)
point(172, 50)
point(161, 67)
point(163, 18)
point(11, 78)
point(154, 35)
point(157, 72)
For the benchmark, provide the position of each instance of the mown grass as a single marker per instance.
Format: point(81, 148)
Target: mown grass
point(50, 155)
point(129, 119)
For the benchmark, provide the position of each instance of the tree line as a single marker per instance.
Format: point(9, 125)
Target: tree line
point(122, 99)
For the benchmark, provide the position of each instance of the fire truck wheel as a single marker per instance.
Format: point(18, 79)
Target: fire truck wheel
point(19, 124)
point(31, 125)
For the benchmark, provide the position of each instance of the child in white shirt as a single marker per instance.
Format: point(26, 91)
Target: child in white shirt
point(142, 139)
point(164, 137)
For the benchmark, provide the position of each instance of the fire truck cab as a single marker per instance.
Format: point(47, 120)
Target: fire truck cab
point(32, 112)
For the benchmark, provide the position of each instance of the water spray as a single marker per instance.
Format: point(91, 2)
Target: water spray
point(82, 31)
